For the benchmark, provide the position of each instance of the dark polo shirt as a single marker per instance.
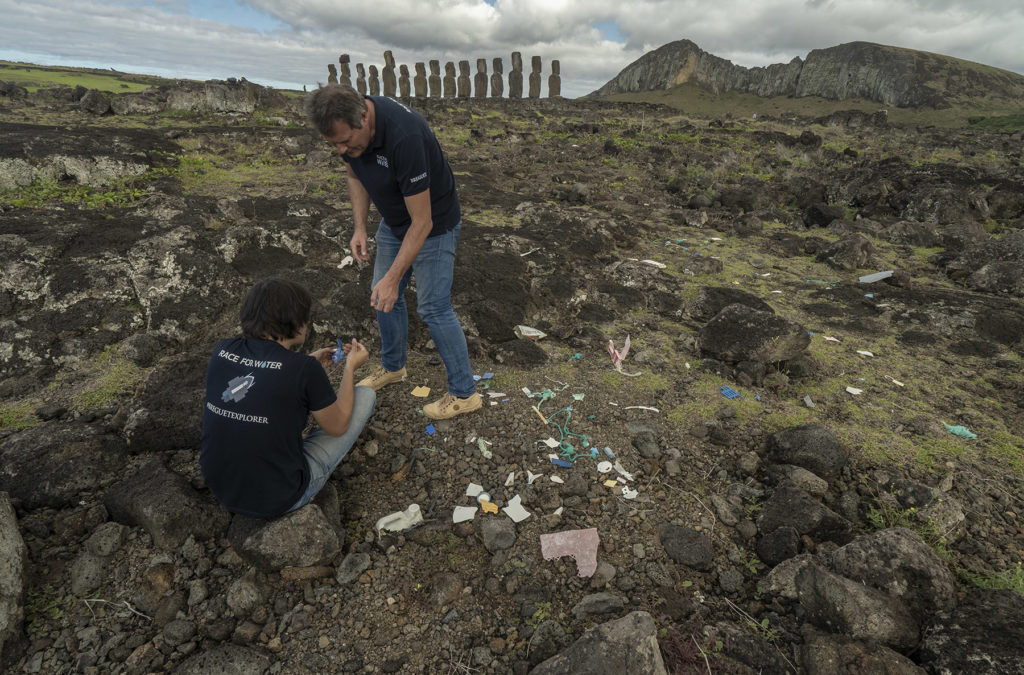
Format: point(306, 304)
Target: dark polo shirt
point(404, 159)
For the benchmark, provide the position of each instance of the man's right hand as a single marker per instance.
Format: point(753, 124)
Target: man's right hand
point(360, 250)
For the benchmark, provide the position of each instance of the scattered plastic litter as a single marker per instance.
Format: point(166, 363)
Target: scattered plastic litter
point(431, 430)
point(530, 476)
point(962, 432)
point(611, 483)
point(577, 356)
point(496, 394)
point(654, 263)
point(550, 442)
point(472, 490)
point(729, 392)
point(346, 261)
point(463, 513)
point(565, 464)
point(629, 494)
point(641, 407)
point(621, 470)
point(482, 444)
point(894, 381)
point(608, 452)
point(511, 478)
point(339, 354)
point(580, 544)
point(877, 276)
point(855, 391)
point(829, 338)
point(556, 479)
point(523, 255)
point(559, 510)
point(870, 296)
point(864, 352)
point(488, 507)
point(808, 402)
point(401, 520)
point(578, 397)
point(618, 356)
point(528, 333)
point(604, 467)
point(421, 392)
point(515, 510)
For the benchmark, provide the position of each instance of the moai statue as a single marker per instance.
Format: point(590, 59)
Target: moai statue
point(515, 78)
point(419, 81)
point(360, 79)
point(449, 80)
point(535, 77)
point(555, 80)
point(462, 84)
point(388, 74)
point(403, 81)
point(497, 81)
point(435, 78)
point(332, 74)
point(374, 82)
point(346, 74)
point(480, 79)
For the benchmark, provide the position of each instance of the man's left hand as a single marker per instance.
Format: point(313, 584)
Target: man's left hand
point(384, 295)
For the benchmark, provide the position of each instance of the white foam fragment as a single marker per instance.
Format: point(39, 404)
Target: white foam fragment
point(556, 479)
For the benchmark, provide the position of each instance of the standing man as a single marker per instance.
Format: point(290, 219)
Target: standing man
point(394, 159)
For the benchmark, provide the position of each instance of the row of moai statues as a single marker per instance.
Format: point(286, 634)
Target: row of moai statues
point(449, 86)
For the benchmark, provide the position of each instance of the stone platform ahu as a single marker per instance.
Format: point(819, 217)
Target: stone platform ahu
point(479, 85)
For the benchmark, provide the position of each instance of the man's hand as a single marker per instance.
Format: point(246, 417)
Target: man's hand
point(324, 356)
point(359, 246)
point(355, 355)
point(384, 295)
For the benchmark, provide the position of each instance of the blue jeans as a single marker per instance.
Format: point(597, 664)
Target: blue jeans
point(433, 267)
point(325, 452)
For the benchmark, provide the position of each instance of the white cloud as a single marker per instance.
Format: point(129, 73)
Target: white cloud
point(159, 36)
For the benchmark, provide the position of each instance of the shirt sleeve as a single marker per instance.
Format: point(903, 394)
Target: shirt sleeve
point(411, 166)
point(319, 392)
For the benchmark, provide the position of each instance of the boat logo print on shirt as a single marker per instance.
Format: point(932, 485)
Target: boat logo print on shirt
point(238, 388)
point(382, 160)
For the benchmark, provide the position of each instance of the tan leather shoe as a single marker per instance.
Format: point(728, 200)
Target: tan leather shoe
point(449, 406)
point(381, 377)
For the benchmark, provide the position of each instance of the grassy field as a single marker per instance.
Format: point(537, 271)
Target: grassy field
point(34, 77)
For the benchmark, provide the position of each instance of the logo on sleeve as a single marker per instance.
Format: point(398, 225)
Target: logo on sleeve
point(419, 177)
point(382, 160)
point(238, 388)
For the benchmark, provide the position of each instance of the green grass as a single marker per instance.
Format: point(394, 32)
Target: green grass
point(42, 605)
point(1011, 579)
point(124, 192)
point(113, 377)
point(1012, 122)
point(18, 416)
point(34, 77)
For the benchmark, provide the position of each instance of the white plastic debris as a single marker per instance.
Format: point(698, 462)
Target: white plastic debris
point(641, 407)
point(654, 263)
point(604, 467)
point(346, 261)
point(629, 494)
point(550, 442)
point(472, 490)
point(864, 352)
point(530, 476)
point(808, 402)
point(528, 333)
point(829, 338)
point(559, 510)
point(463, 513)
point(401, 520)
point(622, 470)
point(894, 381)
point(515, 510)
point(877, 276)
point(511, 478)
point(855, 391)
point(556, 479)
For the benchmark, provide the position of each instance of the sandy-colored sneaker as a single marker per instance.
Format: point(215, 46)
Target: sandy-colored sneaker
point(449, 406)
point(381, 377)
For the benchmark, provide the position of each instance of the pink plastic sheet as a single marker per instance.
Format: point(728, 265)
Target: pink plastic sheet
point(580, 544)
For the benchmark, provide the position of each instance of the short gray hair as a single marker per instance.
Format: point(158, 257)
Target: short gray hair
point(332, 103)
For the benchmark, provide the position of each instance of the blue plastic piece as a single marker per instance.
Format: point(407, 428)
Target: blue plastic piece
point(431, 430)
point(488, 376)
point(339, 354)
point(729, 392)
point(565, 464)
point(757, 396)
point(608, 451)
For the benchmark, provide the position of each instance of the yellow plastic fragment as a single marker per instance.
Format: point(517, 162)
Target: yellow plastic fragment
point(611, 483)
point(488, 507)
point(421, 392)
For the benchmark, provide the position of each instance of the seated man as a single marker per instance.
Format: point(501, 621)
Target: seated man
point(259, 393)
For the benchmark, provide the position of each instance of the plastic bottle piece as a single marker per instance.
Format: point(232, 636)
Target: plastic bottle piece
point(400, 521)
point(483, 497)
point(339, 354)
point(565, 464)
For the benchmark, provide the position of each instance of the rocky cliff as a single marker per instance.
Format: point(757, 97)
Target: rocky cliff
point(889, 75)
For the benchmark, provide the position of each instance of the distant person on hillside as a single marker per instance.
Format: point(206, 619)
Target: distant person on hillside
point(259, 393)
point(395, 161)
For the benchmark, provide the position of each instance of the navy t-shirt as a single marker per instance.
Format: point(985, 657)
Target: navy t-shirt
point(258, 399)
point(404, 159)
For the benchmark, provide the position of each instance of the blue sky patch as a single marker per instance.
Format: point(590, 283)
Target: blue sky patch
point(609, 31)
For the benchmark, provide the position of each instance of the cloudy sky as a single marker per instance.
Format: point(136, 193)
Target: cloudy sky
point(288, 43)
